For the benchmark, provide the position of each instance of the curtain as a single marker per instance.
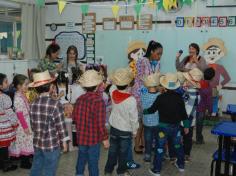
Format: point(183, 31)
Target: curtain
point(33, 31)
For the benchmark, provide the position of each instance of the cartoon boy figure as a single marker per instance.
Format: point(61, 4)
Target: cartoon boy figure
point(135, 51)
point(214, 51)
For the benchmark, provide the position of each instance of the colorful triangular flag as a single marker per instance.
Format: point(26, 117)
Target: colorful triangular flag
point(138, 8)
point(61, 5)
point(115, 10)
point(84, 8)
point(40, 3)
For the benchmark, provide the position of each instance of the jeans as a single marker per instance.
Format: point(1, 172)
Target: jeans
point(45, 162)
point(130, 153)
point(215, 104)
point(150, 134)
point(91, 155)
point(164, 132)
point(118, 151)
point(187, 141)
point(199, 126)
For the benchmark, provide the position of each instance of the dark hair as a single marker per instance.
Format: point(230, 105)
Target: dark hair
point(52, 48)
point(72, 47)
point(63, 79)
point(44, 88)
point(209, 74)
point(76, 73)
point(152, 46)
point(95, 67)
point(122, 87)
point(108, 89)
point(195, 46)
point(19, 80)
point(90, 89)
point(2, 78)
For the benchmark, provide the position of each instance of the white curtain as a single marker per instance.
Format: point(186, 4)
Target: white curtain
point(33, 31)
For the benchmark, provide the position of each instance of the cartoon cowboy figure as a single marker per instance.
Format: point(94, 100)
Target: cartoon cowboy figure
point(135, 51)
point(214, 51)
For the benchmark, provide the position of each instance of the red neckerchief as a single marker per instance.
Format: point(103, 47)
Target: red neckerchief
point(213, 66)
point(204, 84)
point(119, 97)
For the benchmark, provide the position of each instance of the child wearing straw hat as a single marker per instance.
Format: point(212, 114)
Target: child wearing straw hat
point(123, 121)
point(48, 126)
point(90, 118)
point(150, 121)
point(171, 109)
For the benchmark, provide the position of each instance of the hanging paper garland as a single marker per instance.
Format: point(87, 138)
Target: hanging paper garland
point(138, 8)
point(84, 8)
point(61, 5)
point(160, 4)
point(40, 3)
point(115, 10)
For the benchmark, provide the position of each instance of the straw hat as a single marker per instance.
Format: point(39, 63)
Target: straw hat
point(194, 76)
point(135, 45)
point(215, 42)
point(42, 78)
point(122, 77)
point(152, 80)
point(90, 78)
point(181, 77)
point(170, 81)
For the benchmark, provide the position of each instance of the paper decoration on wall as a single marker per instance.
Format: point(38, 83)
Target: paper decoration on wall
point(205, 21)
point(90, 48)
point(65, 39)
point(222, 21)
point(214, 21)
point(89, 23)
point(152, 4)
point(159, 4)
point(198, 21)
point(232, 21)
point(126, 22)
point(40, 3)
point(214, 51)
point(138, 8)
point(61, 5)
point(144, 22)
point(115, 10)
point(84, 8)
point(136, 50)
point(189, 21)
point(179, 22)
point(109, 24)
point(70, 26)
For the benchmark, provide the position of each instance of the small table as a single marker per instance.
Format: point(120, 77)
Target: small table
point(225, 130)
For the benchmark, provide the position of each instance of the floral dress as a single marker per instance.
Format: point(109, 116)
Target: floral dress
point(24, 143)
point(8, 121)
point(144, 68)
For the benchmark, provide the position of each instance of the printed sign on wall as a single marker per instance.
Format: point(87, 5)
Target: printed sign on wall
point(214, 21)
point(179, 22)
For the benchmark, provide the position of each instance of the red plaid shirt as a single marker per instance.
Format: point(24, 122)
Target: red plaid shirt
point(90, 117)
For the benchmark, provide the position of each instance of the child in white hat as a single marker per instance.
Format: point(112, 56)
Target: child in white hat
point(150, 121)
point(171, 109)
point(123, 121)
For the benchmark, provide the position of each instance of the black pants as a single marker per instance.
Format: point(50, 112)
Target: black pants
point(187, 141)
point(3, 156)
point(199, 126)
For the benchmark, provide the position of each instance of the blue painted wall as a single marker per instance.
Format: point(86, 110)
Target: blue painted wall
point(112, 45)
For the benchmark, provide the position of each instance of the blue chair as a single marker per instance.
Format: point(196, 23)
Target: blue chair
point(231, 110)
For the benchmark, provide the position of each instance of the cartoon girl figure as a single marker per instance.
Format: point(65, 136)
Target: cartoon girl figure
point(214, 51)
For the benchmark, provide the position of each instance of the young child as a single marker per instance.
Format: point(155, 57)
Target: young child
point(23, 146)
point(205, 103)
point(90, 116)
point(150, 121)
point(8, 125)
point(123, 121)
point(48, 126)
point(191, 98)
point(171, 109)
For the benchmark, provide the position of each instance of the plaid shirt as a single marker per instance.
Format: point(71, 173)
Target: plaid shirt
point(90, 118)
point(47, 123)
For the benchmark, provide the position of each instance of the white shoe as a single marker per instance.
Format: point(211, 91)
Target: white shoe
point(153, 173)
point(180, 169)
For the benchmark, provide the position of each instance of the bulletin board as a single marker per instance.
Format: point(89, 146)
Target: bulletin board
point(65, 39)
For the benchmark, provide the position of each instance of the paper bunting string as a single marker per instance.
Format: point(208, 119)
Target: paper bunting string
point(84, 8)
point(115, 10)
point(138, 8)
point(61, 5)
point(166, 4)
point(40, 3)
point(159, 5)
point(151, 4)
point(173, 3)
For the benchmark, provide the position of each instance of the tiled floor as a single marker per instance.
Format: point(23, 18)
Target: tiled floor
point(200, 165)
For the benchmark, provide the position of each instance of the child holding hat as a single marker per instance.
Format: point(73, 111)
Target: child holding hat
point(90, 118)
point(150, 121)
point(171, 109)
point(123, 121)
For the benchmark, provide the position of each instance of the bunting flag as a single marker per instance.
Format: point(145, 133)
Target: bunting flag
point(61, 5)
point(159, 4)
point(138, 8)
point(84, 8)
point(151, 4)
point(115, 10)
point(40, 3)
point(166, 4)
point(188, 2)
point(173, 3)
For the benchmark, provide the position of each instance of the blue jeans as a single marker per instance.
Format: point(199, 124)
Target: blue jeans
point(130, 153)
point(45, 162)
point(150, 134)
point(91, 155)
point(118, 151)
point(172, 132)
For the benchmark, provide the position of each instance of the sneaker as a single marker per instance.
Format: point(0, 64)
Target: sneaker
point(180, 169)
point(133, 165)
point(187, 159)
point(153, 173)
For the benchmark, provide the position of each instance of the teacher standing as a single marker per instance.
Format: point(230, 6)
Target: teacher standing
point(193, 60)
point(148, 64)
